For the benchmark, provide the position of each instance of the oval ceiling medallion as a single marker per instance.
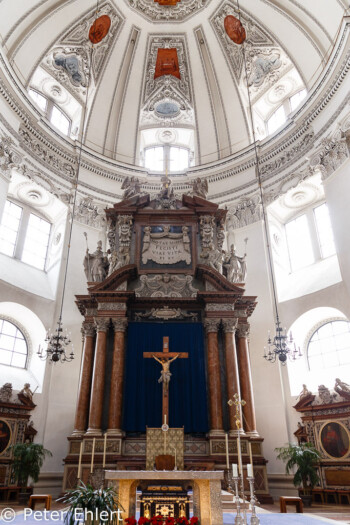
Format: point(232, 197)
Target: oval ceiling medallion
point(167, 109)
point(234, 29)
point(99, 29)
point(300, 196)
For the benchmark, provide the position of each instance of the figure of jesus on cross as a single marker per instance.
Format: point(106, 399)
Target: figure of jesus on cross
point(165, 358)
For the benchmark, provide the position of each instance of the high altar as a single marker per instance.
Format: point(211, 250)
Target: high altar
point(166, 276)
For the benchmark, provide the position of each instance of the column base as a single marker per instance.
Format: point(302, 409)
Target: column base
point(213, 433)
point(236, 433)
point(94, 432)
point(78, 433)
point(253, 434)
point(115, 432)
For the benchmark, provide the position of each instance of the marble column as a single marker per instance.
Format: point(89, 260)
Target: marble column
point(232, 374)
point(245, 378)
point(117, 376)
point(98, 378)
point(82, 410)
point(214, 380)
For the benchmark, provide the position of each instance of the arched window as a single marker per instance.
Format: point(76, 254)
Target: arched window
point(280, 115)
point(329, 346)
point(54, 114)
point(13, 345)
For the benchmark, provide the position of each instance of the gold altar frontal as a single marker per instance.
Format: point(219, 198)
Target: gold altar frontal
point(165, 500)
point(159, 442)
point(206, 486)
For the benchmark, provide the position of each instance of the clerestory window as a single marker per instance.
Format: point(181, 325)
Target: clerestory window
point(13, 345)
point(24, 235)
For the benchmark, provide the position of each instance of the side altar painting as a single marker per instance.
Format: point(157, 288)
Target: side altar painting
point(166, 326)
point(325, 422)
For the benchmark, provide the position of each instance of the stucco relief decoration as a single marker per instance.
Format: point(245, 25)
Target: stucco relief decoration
point(69, 61)
point(167, 63)
point(46, 156)
point(167, 10)
point(166, 247)
point(99, 29)
point(166, 285)
point(167, 313)
point(9, 158)
point(89, 213)
point(264, 66)
point(333, 152)
point(120, 257)
point(266, 61)
point(210, 254)
point(167, 105)
point(171, 64)
point(234, 29)
point(245, 212)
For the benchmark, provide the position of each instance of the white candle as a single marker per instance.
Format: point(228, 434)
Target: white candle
point(92, 456)
point(80, 456)
point(249, 470)
point(227, 456)
point(251, 458)
point(164, 419)
point(104, 450)
point(234, 470)
point(239, 453)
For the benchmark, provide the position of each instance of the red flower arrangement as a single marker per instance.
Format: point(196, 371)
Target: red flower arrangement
point(159, 520)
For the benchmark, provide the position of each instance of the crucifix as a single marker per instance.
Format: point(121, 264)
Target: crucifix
point(165, 358)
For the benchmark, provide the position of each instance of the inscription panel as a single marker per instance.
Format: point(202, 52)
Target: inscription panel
point(166, 247)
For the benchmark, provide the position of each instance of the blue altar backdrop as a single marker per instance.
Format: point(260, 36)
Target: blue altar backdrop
point(187, 392)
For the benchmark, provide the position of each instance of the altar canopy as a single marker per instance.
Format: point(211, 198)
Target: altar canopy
point(187, 390)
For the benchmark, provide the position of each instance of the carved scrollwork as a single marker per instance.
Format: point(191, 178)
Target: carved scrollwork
point(88, 330)
point(243, 330)
point(211, 325)
point(332, 154)
point(102, 324)
point(230, 325)
point(166, 285)
point(119, 324)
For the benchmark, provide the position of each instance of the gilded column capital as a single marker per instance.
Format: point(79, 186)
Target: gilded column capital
point(88, 329)
point(102, 324)
point(120, 324)
point(230, 325)
point(243, 330)
point(211, 325)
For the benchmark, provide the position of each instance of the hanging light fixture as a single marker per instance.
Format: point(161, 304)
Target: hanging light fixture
point(279, 346)
point(58, 342)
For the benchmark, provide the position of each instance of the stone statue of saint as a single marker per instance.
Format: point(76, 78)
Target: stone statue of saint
point(199, 187)
point(343, 389)
point(131, 187)
point(96, 265)
point(304, 393)
point(236, 267)
point(26, 395)
point(165, 374)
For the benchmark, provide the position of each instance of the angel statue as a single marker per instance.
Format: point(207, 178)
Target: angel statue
point(199, 187)
point(132, 187)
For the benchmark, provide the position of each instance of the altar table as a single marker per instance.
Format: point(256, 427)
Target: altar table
point(206, 486)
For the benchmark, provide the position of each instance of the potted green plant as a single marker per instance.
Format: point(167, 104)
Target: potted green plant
point(28, 458)
point(305, 458)
point(95, 505)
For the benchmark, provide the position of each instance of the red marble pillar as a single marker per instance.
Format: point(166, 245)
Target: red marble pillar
point(117, 376)
point(245, 378)
point(82, 410)
point(232, 374)
point(98, 378)
point(214, 380)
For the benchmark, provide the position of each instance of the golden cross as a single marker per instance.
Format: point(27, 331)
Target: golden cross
point(238, 403)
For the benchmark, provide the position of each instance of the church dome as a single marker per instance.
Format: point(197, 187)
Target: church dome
point(169, 72)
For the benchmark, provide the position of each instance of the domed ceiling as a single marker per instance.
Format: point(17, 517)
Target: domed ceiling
point(168, 70)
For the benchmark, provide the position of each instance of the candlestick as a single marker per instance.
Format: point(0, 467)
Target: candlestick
point(234, 470)
point(249, 470)
point(104, 451)
point(251, 458)
point(239, 453)
point(227, 456)
point(254, 520)
point(238, 519)
point(92, 456)
point(80, 457)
